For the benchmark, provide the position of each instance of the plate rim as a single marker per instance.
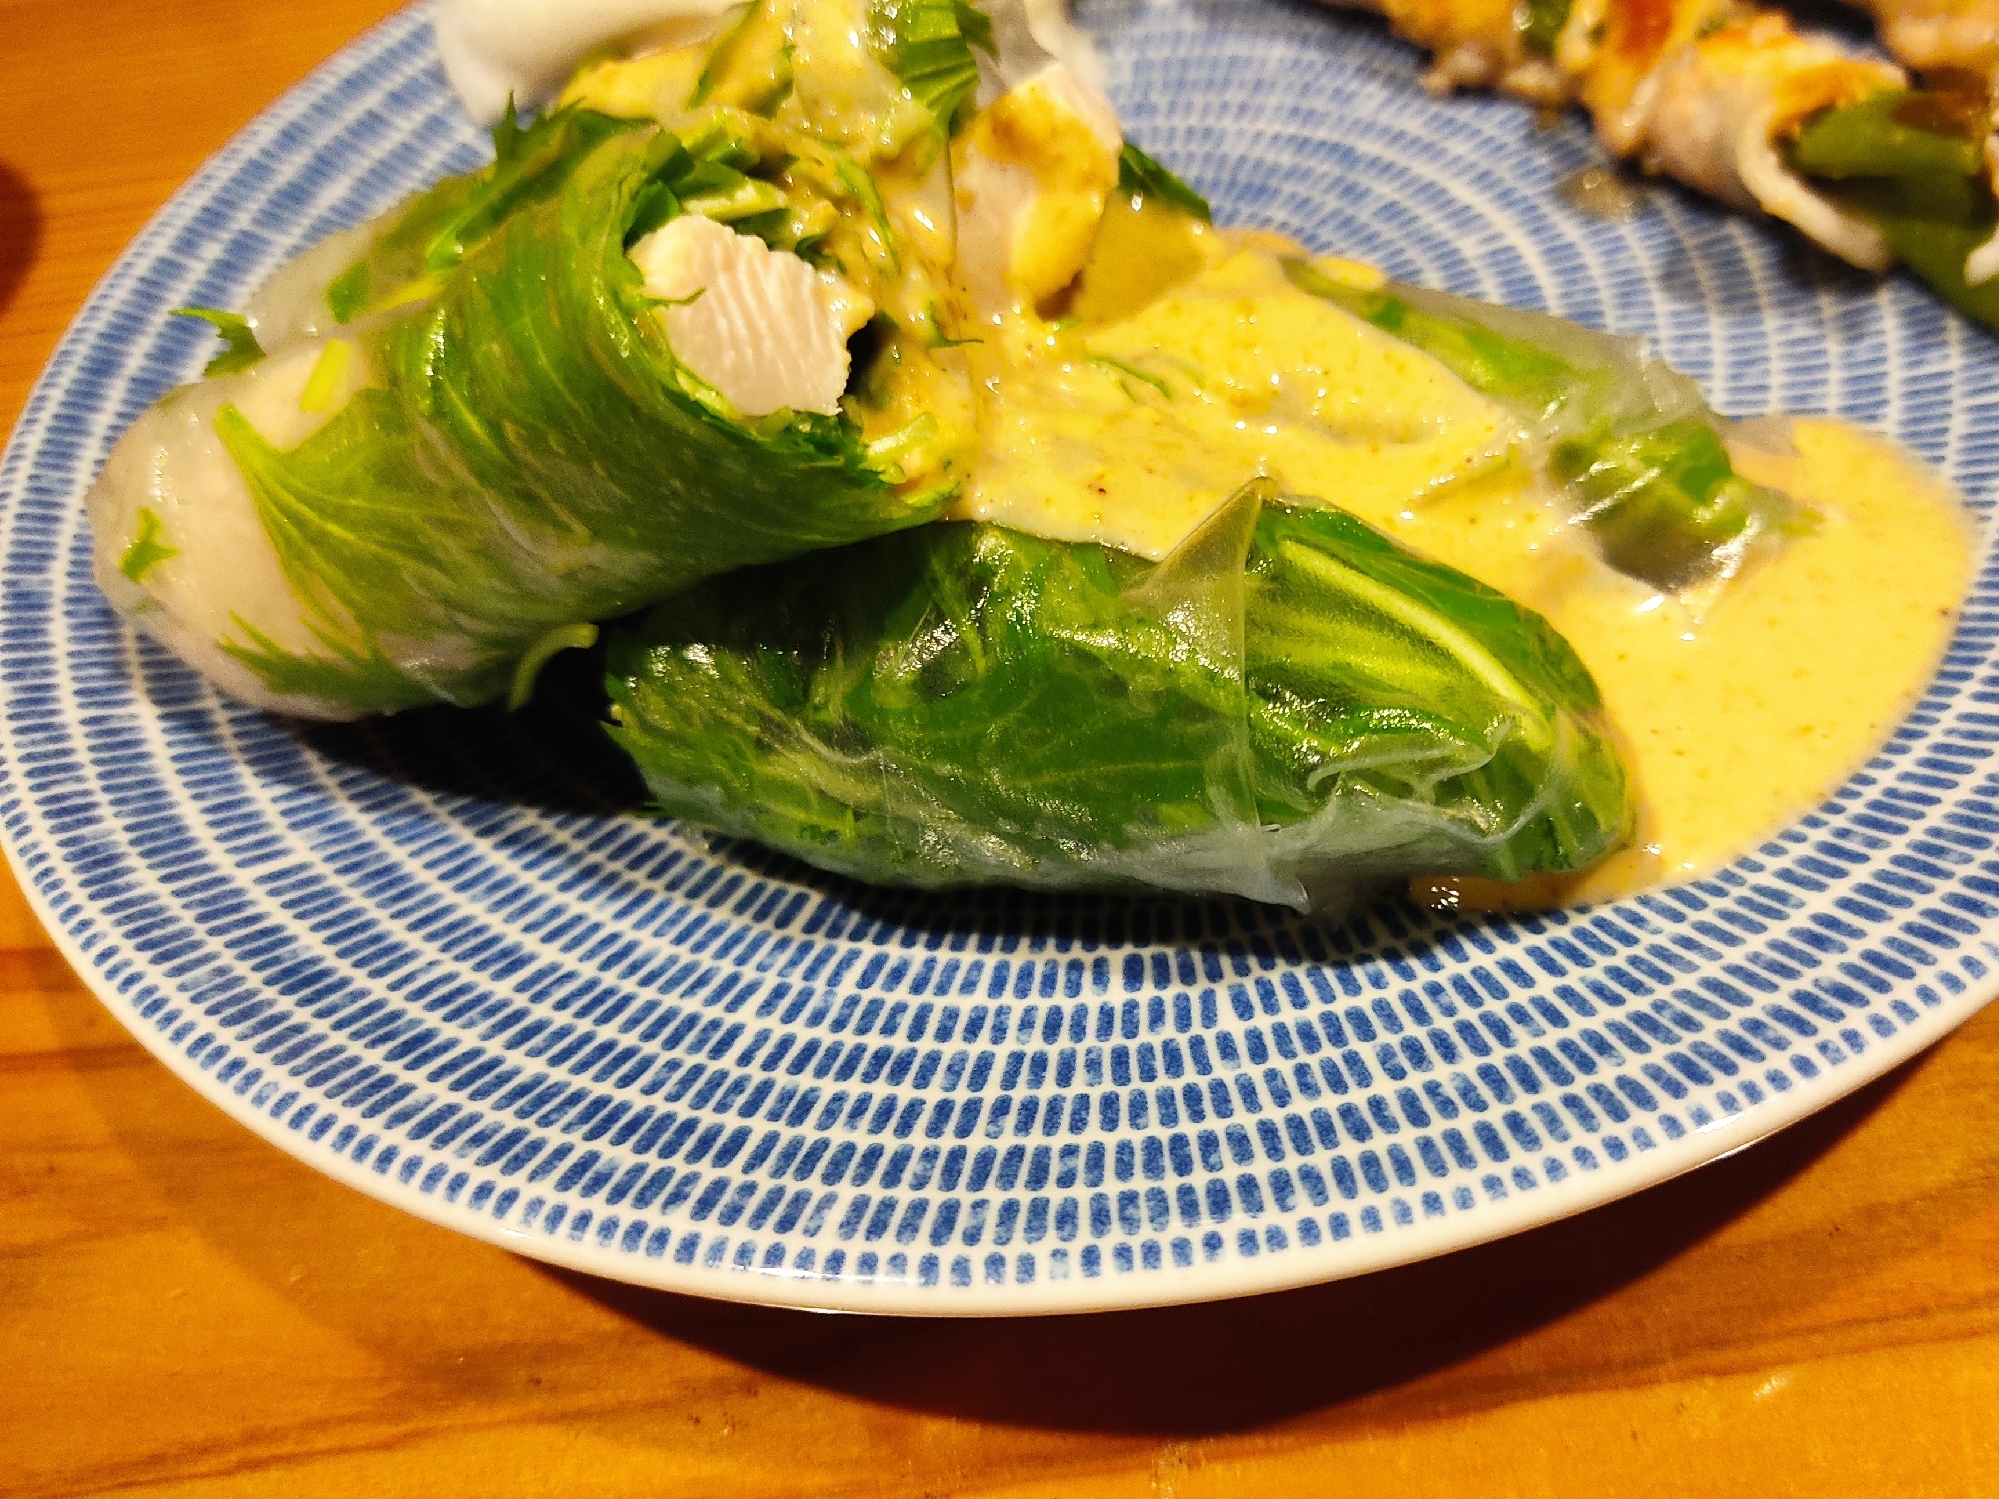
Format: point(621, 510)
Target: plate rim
point(1518, 1214)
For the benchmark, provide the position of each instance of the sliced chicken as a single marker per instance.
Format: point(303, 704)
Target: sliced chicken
point(760, 325)
point(1031, 174)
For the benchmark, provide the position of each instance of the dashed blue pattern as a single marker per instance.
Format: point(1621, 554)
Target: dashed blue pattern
point(429, 958)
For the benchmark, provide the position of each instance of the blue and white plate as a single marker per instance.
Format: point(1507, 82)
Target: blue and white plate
point(440, 959)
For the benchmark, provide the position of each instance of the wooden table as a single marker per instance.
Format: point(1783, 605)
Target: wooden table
point(1817, 1316)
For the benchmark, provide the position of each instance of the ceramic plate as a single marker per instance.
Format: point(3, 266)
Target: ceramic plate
point(440, 959)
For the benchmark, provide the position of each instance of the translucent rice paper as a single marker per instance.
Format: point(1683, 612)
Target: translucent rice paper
point(525, 456)
point(1640, 454)
point(1288, 708)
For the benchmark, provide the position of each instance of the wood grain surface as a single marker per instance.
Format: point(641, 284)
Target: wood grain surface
point(186, 1311)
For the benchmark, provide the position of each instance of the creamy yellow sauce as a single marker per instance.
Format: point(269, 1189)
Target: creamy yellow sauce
point(1129, 434)
point(1734, 722)
point(1735, 713)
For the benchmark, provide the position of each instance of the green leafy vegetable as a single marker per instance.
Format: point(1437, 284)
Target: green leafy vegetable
point(1139, 176)
point(347, 294)
point(860, 186)
point(750, 64)
point(356, 675)
point(727, 196)
point(1634, 440)
point(147, 551)
point(1288, 704)
point(242, 349)
point(928, 45)
point(976, 27)
point(533, 459)
point(1541, 23)
point(1665, 504)
point(426, 239)
point(1563, 378)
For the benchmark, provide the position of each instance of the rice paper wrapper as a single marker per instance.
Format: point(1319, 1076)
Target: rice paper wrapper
point(526, 458)
point(1289, 708)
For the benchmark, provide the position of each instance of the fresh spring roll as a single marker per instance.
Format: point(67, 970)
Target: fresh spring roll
point(1289, 707)
point(610, 365)
point(420, 509)
point(1632, 440)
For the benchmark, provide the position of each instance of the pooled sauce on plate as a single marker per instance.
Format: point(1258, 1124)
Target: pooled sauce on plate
point(1737, 721)
point(1735, 712)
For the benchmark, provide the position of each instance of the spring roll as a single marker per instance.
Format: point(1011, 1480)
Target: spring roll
point(1289, 707)
point(1050, 689)
point(613, 363)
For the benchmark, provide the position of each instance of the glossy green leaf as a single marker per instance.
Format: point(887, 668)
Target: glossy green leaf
point(1139, 176)
point(1633, 439)
point(241, 349)
point(928, 45)
point(428, 237)
point(1288, 706)
point(148, 549)
point(534, 458)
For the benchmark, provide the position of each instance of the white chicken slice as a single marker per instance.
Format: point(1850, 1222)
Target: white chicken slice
point(1032, 172)
point(760, 325)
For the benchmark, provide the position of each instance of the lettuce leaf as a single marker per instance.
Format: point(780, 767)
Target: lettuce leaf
point(426, 239)
point(1139, 176)
point(148, 550)
point(240, 347)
